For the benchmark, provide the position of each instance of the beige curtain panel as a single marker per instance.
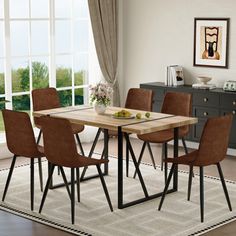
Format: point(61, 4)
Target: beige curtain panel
point(104, 18)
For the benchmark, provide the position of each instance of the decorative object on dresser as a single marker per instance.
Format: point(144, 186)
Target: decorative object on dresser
point(174, 75)
point(211, 36)
point(206, 103)
point(230, 85)
point(203, 83)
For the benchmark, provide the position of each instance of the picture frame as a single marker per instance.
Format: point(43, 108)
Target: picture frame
point(211, 42)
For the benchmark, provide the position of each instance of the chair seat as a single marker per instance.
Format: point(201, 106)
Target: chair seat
point(161, 136)
point(188, 159)
point(81, 161)
point(76, 128)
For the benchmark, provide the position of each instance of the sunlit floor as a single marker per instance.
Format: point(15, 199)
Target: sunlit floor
point(16, 226)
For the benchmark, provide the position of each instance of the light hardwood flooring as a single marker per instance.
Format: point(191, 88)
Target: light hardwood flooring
point(11, 225)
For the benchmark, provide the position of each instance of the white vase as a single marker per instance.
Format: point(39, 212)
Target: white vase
point(99, 108)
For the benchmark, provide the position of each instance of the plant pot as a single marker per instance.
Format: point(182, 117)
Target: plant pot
point(99, 108)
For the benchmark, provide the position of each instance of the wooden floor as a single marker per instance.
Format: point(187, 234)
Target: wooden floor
point(12, 225)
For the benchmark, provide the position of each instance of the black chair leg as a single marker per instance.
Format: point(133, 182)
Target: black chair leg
point(58, 170)
point(47, 187)
point(78, 184)
point(65, 180)
point(104, 187)
point(40, 164)
point(151, 155)
point(201, 193)
point(224, 186)
point(127, 160)
point(40, 173)
point(102, 155)
point(190, 177)
point(165, 163)
point(72, 195)
point(80, 144)
point(39, 137)
point(9, 177)
point(32, 183)
point(162, 156)
point(185, 146)
point(166, 186)
point(186, 150)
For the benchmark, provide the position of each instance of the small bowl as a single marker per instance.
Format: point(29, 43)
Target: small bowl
point(204, 79)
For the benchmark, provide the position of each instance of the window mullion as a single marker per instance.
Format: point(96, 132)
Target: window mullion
point(73, 54)
point(8, 80)
point(30, 59)
point(52, 67)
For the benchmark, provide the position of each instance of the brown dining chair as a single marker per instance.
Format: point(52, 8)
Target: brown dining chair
point(174, 103)
point(47, 98)
point(212, 150)
point(21, 142)
point(60, 150)
point(137, 99)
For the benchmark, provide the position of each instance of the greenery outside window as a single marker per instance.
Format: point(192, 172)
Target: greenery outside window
point(49, 44)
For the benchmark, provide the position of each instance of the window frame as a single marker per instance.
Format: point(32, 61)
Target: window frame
point(52, 55)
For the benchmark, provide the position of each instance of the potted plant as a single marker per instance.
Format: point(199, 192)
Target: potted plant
point(100, 96)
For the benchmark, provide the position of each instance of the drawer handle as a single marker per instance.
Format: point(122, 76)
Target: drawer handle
point(206, 113)
point(205, 99)
point(234, 103)
point(233, 112)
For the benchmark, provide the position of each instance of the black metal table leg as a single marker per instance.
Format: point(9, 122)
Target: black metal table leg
point(91, 152)
point(106, 141)
point(136, 165)
point(176, 152)
point(120, 168)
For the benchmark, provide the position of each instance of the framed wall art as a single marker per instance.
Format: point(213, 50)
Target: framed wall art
point(211, 36)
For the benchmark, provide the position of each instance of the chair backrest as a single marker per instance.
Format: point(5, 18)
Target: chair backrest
point(43, 99)
point(214, 140)
point(179, 104)
point(176, 103)
point(19, 133)
point(59, 143)
point(139, 99)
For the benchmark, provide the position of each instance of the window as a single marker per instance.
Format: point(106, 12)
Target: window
point(49, 44)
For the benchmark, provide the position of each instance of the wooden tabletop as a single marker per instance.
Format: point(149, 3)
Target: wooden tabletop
point(60, 110)
point(86, 115)
point(160, 124)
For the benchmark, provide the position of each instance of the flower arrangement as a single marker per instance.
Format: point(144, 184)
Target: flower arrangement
point(100, 93)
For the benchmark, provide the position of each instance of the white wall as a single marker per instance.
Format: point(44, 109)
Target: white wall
point(157, 33)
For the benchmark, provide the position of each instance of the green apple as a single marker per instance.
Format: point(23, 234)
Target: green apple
point(138, 115)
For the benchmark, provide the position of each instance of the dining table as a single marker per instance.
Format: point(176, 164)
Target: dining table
point(86, 115)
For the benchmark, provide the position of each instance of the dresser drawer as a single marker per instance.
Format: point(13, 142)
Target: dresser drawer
point(228, 101)
point(206, 99)
point(205, 112)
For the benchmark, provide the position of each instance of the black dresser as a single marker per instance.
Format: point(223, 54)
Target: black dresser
point(206, 103)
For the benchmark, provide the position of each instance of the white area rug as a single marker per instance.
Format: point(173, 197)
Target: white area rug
point(93, 217)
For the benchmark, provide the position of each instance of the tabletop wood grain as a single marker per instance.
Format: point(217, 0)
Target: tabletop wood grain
point(86, 115)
